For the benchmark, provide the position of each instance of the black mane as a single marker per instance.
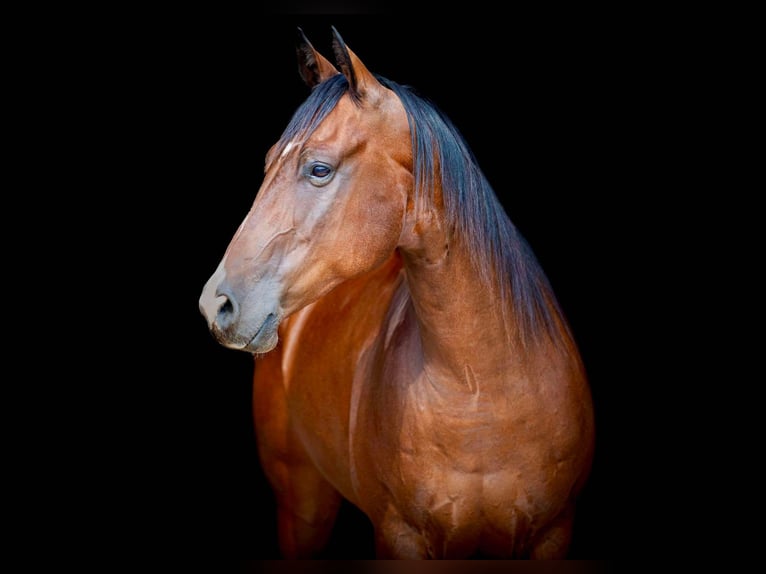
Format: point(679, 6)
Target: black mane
point(503, 259)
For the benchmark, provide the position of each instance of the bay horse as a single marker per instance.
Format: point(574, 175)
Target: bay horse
point(410, 355)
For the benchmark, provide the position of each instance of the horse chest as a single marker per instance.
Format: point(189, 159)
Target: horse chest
point(457, 501)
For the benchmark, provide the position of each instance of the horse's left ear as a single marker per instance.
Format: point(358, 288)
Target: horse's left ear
point(313, 67)
point(362, 84)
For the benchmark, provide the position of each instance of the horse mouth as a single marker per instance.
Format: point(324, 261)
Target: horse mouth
point(265, 337)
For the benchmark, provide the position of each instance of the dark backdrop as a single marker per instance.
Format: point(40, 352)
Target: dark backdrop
point(556, 111)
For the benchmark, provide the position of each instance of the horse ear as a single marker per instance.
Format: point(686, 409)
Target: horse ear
point(313, 66)
point(362, 84)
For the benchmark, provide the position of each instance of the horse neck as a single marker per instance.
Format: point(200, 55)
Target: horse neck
point(462, 330)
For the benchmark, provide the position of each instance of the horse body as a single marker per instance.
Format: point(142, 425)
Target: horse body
point(391, 370)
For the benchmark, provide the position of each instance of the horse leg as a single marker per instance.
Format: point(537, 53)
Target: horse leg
point(307, 506)
point(395, 539)
point(553, 542)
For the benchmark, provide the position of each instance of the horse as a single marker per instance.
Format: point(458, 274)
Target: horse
point(410, 355)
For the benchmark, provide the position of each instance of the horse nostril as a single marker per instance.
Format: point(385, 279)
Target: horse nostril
point(226, 309)
point(218, 305)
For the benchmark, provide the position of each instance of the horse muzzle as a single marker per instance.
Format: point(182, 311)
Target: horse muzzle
point(250, 324)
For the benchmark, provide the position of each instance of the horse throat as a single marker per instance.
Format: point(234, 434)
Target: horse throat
point(462, 330)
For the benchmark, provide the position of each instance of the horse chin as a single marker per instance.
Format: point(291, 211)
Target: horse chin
point(266, 337)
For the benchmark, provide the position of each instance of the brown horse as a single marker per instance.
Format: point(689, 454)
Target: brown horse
point(410, 355)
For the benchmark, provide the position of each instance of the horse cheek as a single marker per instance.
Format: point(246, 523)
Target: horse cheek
point(371, 234)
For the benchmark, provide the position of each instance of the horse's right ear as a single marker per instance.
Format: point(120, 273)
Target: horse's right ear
point(313, 67)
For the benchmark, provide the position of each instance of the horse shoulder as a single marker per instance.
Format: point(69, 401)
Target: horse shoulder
point(322, 348)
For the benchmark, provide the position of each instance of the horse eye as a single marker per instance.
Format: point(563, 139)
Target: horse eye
point(320, 171)
point(319, 174)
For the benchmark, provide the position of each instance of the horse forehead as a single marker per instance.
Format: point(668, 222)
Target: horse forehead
point(288, 148)
point(358, 121)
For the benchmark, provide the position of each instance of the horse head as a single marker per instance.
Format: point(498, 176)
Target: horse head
point(330, 206)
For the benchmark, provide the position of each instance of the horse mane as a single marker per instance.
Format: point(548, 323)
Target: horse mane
point(503, 259)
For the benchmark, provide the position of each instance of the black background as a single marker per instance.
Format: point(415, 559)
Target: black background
point(558, 108)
